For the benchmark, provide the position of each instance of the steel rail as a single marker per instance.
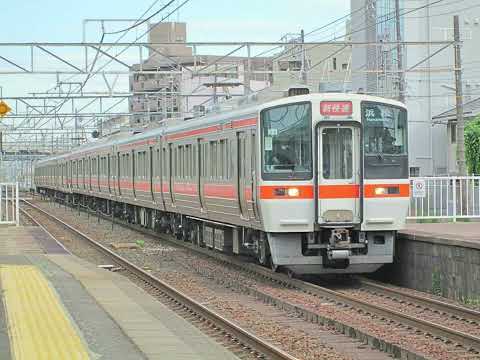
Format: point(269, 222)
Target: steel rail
point(442, 306)
point(245, 337)
point(464, 339)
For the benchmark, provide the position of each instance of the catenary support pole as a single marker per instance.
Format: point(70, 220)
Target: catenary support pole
point(401, 74)
point(461, 166)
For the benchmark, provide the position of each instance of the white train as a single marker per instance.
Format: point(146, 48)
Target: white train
point(314, 183)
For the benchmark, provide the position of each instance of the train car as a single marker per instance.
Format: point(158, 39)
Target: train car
point(313, 183)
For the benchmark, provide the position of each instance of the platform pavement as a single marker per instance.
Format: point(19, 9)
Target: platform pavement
point(57, 306)
point(456, 234)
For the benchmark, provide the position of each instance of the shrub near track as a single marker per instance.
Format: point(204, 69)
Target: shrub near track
point(472, 146)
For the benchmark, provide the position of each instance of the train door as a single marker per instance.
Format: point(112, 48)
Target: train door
point(133, 172)
point(339, 174)
point(118, 173)
point(150, 172)
point(252, 192)
point(162, 171)
point(109, 173)
point(243, 166)
point(201, 172)
point(172, 171)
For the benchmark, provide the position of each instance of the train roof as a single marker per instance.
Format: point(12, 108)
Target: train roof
point(210, 119)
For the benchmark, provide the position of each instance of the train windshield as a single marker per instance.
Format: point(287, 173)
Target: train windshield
point(385, 141)
point(287, 142)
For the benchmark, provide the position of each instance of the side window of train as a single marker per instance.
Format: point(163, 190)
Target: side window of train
point(118, 164)
point(181, 163)
point(186, 161)
point(156, 165)
point(164, 161)
point(220, 159)
point(213, 160)
point(129, 165)
point(192, 161)
point(137, 160)
point(122, 166)
point(206, 162)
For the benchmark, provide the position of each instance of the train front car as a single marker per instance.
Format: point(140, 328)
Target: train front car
point(334, 185)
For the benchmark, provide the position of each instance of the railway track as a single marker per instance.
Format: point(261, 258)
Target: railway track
point(433, 329)
point(194, 311)
point(460, 312)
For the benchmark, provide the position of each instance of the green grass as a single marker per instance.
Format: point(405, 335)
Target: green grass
point(436, 284)
point(470, 301)
point(428, 221)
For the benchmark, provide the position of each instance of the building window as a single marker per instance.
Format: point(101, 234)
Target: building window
point(453, 133)
point(414, 171)
point(344, 66)
point(334, 63)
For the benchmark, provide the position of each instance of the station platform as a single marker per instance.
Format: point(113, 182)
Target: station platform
point(58, 306)
point(439, 258)
point(465, 234)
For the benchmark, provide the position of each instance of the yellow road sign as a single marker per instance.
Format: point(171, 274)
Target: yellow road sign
point(4, 108)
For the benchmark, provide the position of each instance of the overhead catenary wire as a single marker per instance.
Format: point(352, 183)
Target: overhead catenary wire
point(143, 21)
point(384, 20)
point(317, 29)
point(124, 33)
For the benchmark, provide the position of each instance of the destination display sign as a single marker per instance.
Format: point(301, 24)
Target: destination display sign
point(336, 108)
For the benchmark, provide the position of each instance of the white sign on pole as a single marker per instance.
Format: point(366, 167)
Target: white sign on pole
point(419, 189)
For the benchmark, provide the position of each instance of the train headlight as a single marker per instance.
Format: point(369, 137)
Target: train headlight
point(293, 192)
point(380, 191)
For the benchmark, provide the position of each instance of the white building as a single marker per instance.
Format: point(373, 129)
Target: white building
point(430, 88)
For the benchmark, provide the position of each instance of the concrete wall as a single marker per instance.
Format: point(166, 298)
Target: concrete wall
point(440, 266)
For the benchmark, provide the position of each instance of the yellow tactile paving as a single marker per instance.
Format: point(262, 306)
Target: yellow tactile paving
point(38, 326)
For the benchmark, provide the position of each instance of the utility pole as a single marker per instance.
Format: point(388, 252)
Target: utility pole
point(304, 62)
point(401, 74)
point(462, 169)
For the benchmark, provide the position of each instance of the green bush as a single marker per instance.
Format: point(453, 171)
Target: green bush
point(472, 146)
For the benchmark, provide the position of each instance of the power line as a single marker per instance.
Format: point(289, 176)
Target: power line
point(144, 20)
point(138, 22)
point(317, 29)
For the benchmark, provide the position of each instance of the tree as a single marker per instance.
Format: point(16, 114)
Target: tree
point(472, 146)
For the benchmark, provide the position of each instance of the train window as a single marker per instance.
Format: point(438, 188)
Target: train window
point(204, 160)
point(145, 165)
point(194, 160)
point(179, 164)
point(337, 153)
point(227, 159)
point(131, 165)
point(122, 166)
point(384, 141)
point(164, 161)
point(182, 161)
point(157, 165)
point(128, 167)
point(176, 162)
point(213, 159)
point(287, 142)
point(185, 162)
point(188, 161)
point(139, 162)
